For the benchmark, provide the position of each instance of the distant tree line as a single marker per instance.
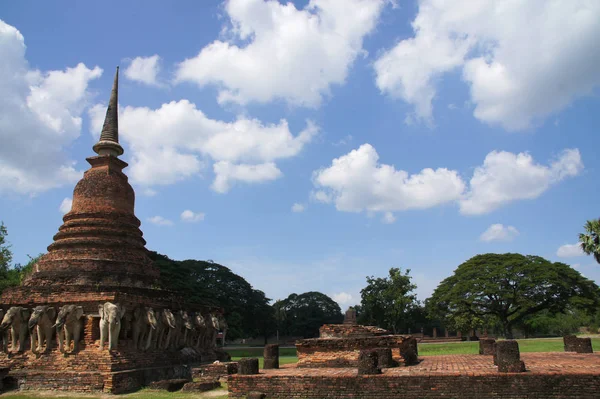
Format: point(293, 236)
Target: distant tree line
point(503, 293)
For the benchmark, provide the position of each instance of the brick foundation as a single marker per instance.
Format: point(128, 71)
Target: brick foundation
point(550, 376)
point(336, 352)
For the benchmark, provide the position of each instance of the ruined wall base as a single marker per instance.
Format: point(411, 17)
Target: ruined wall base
point(507, 386)
point(92, 370)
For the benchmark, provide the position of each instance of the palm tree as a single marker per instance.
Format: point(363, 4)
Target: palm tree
point(590, 241)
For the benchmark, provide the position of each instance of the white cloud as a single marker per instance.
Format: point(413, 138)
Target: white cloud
point(499, 232)
point(65, 205)
point(172, 143)
point(289, 54)
point(40, 115)
point(569, 251)
point(357, 182)
point(144, 70)
point(523, 60)
point(192, 217)
point(505, 177)
point(388, 218)
point(226, 174)
point(343, 299)
point(160, 221)
point(297, 208)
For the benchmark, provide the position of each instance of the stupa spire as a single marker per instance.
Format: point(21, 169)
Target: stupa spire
point(109, 138)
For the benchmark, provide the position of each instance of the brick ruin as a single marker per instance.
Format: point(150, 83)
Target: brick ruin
point(98, 256)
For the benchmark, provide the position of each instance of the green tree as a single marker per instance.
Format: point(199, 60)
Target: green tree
point(389, 302)
point(590, 240)
point(247, 310)
point(5, 252)
point(307, 312)
point(506, 288)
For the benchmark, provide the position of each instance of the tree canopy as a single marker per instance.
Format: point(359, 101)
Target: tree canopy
point(506, 288)
point(303, 315)
point(590, 240)
point(247, 310)
point(389, 302)
point(11, 275)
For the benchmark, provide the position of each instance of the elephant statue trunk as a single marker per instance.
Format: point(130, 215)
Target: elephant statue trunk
point(110, 324)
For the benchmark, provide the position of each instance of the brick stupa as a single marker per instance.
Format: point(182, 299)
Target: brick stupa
point(98, 255)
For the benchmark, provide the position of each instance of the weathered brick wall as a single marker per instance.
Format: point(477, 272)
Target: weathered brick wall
point(350, 331)
point(344, 352)
point(508, 386)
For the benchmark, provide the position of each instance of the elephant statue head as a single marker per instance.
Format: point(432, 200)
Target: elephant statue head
point(16, 318)
point(40, 315)
point(187, 320)
point(110, 324)
point(68, 326)
point(41, 325)
point(168, 326)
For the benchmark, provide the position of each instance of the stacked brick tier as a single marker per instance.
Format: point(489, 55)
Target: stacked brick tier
point(344, 352)
point(100, 242)
point(549, 376)
point(350, 331)
point(91, 370)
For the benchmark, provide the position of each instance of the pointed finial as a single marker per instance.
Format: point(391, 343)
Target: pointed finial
point(109, 138)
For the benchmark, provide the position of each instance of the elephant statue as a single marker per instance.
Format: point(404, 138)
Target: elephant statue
point(212, 328)
point(200, 329)
point(41, 325)
point(223, 326)
point(68, 325)
point(3, 335)
point(165, 329)
point(186, 327)
point(143, 324)
point(110, 324)
point(16, 318)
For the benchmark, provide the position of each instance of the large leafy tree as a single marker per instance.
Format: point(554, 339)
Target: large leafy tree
point(389, 302)
point(507, 288)
point(590, 240)
point(11, 275)
point(247, 310)
point(5, 252)
point(303, 315)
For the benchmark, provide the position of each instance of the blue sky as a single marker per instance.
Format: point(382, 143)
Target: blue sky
point(307, 145)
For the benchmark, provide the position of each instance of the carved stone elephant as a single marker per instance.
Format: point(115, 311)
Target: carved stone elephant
point(185, 329)
point(223, 326)
point(110, 324)
point(3, 335)
point(165, 328)
point(41, 325)
point(68, 325)
point(144, 327)
point(16, 318)
point(212, 328)
point(200, 331)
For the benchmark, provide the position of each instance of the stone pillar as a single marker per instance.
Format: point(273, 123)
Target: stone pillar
point(271, 356)
point(509, 357)
point(447, 333)
point(384, 358)
point(434, 332)
point(486, 346)
point(350, 317)
point(248, 366)
point(367, 362)
point(579, 345)
point(485, 333)
point(91, 330)
point(569, 342)
point(409, 352)
point(459, 334)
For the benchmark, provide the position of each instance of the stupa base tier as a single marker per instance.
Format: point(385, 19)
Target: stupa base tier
point(91, 296)
point(91, 369)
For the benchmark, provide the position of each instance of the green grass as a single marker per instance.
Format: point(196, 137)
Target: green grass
point(525, 345)
point(282, 360)
point(257, 352)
